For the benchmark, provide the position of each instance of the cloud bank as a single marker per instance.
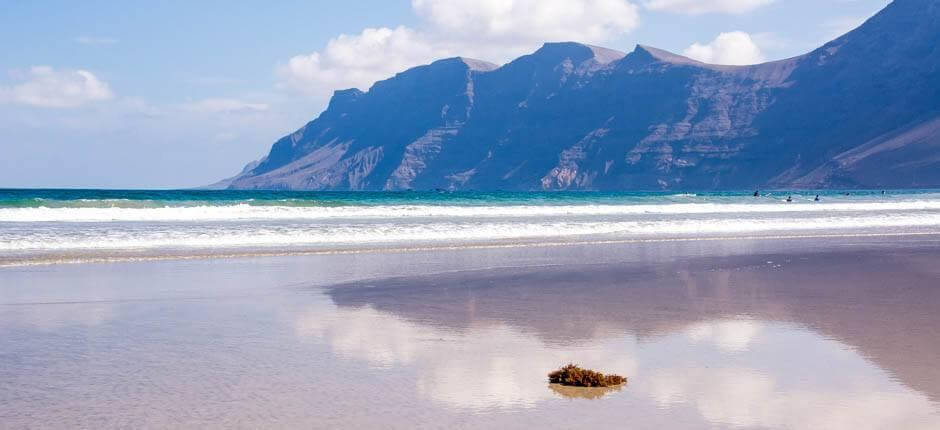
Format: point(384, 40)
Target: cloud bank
point(44, 86)
point(495, 30)
point(697, 7)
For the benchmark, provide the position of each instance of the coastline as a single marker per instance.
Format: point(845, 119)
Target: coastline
point(45, 227)
point(162, 255)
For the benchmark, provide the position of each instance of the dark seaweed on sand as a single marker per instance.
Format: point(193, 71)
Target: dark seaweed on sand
point(578, 377)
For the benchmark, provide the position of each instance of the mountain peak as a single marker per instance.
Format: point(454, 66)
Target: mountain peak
point(664, 56)
point(470, 63)
point(478, 65)
point(579, 52)
point(342, 98)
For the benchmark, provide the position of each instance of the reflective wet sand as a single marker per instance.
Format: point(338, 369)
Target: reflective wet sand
point(737, 334)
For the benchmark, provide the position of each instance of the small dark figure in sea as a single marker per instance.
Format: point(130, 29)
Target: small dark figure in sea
point(757, 193)
point(848, 194)
point(817, 198)
point(789, 199)
point(882, 192)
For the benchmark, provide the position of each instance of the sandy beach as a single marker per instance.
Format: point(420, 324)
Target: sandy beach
point(794, 333)
point(440, 214)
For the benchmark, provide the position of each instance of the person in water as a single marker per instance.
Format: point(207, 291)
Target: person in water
point(756, 193)
point(817, 198)
point(789, 199)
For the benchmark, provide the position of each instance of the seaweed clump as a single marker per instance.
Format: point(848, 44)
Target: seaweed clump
point(575, 376)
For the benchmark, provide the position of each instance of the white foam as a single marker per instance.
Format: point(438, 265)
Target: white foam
point(245, 212)
point(216, 236)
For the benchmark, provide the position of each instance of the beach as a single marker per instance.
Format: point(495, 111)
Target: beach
point(833, 333)
point(433, 214)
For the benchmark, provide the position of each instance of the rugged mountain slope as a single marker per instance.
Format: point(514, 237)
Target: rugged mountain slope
point(863, 110)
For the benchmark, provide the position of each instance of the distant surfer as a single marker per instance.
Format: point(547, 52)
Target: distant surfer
point(882, 192)
point(756, 193)
point(817, 198)
point(789, 199)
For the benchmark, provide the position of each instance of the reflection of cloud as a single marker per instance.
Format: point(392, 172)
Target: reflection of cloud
point(499, 366)
point(731, 335)
point(750, 398)
point(732, 391)
point(484, 366)
point(368, 334)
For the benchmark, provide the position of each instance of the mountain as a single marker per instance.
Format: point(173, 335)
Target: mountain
point(860, 111)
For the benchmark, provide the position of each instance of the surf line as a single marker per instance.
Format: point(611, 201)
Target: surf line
point(295, 253)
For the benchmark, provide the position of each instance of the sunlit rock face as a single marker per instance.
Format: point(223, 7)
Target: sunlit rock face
point(860, 111)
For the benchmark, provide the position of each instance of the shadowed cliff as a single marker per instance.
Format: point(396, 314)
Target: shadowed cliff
point(860, 111)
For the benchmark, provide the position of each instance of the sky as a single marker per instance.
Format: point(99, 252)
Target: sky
point(176, 94)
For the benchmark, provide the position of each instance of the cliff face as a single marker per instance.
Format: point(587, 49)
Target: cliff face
point(861, 111)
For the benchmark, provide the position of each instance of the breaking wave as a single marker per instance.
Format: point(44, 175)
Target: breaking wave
point(35, 230)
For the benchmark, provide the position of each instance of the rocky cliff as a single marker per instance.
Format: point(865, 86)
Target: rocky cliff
point(860, 111)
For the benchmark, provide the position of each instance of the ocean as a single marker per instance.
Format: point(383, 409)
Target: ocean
point(64, 226)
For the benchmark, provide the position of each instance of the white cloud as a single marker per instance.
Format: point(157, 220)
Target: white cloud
point(734, 48)
point(224, 105)
point(356, 60)
point(44, 86)
point(519, 21)
point(90, 40)
point(695, 7)
point(494, 30)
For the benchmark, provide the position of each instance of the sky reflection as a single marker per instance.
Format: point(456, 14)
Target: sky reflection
point(719, 347)
point(834, 341)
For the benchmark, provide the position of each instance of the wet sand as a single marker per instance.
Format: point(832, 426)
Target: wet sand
point(730, 334)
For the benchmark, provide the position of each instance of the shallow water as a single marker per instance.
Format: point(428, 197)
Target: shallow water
point(730, 334)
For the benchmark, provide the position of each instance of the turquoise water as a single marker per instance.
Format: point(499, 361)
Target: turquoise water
point(157, 198)
point(41, 226)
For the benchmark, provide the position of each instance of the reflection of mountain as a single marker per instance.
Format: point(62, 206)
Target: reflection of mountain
point(884, 304)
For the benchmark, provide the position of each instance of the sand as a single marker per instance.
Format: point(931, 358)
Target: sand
point(796, 333)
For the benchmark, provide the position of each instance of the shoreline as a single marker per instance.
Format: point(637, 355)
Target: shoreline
point(13, 262)
point(468, 337)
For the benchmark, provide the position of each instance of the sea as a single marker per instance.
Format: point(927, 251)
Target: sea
point(43, 226)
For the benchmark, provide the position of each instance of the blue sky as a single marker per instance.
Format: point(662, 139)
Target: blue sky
point(119, 94)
